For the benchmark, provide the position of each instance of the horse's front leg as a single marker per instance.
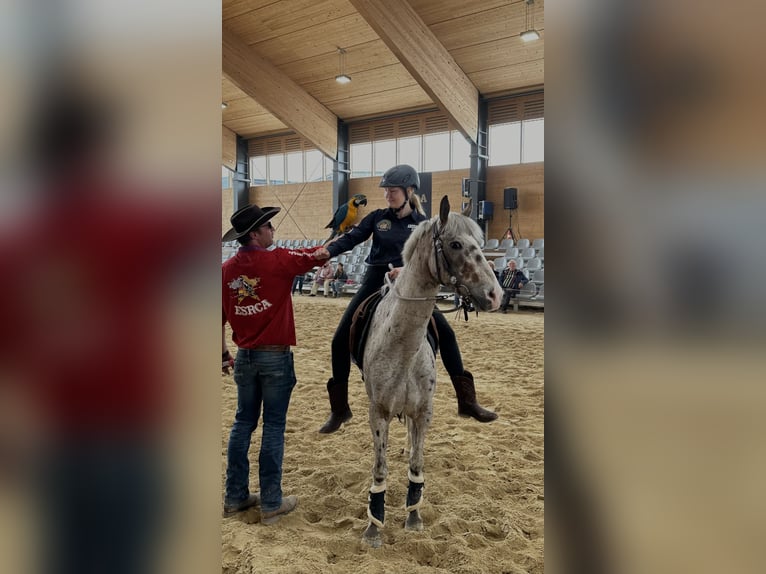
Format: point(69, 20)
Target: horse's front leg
point(377, 497)
point(416, 427)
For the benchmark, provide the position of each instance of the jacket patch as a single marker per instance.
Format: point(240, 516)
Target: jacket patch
point(245, 287)
point(383, 225)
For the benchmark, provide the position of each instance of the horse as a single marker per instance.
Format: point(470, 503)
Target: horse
point(398, 367)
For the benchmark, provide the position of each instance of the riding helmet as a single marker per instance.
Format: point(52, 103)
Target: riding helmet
point(401, 176)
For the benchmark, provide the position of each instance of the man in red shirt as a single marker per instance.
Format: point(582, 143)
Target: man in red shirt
point(257, 304)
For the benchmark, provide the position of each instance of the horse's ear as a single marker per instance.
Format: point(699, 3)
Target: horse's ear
point(467, 210)
point(444, 210)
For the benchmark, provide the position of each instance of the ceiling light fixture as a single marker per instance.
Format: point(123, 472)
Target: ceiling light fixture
point(342, 78)
point(529, 34)
point(224, 105)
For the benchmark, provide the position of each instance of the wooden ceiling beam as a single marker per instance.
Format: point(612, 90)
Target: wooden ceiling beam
point(426, 59)
point(276, 92)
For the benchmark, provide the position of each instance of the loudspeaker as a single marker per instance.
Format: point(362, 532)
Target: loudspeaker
point(510, 198)
point(486, 210)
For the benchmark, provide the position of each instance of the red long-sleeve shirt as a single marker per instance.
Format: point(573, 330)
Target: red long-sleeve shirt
point(256, 294)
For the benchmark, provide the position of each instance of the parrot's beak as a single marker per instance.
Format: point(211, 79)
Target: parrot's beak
point(362, 201)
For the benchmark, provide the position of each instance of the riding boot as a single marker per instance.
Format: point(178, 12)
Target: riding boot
point(467, 406)
point(341, 412)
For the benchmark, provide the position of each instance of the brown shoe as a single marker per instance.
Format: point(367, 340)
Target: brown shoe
point(232, 509)
point(288, 505)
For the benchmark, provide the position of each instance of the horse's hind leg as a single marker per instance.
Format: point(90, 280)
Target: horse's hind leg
point(377, 497)
point(417, 432)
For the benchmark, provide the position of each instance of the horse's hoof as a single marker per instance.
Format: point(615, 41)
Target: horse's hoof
point(413, 523)
point(372, 537)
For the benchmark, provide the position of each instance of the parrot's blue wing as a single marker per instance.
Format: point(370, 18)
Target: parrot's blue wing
point(338, 218)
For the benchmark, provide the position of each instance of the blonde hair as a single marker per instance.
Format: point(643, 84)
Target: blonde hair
point(415, 202)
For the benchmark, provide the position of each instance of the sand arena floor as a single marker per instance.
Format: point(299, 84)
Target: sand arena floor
point(484, 497)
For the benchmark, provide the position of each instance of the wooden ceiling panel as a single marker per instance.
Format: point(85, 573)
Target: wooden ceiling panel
point(300, 38)
point(413, 42)
point(232, 8)
point(230, 91)
point(434, 11)
point(242, 108)
point(263, 81)
point(282, 18)
point(481, 27)
point(509, 78)
point(359, 58)
point(504, 52)
point(321, 39)
point(386, 79)
point(380, 104)
point(256, 125)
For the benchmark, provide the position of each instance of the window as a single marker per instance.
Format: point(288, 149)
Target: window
point(409, 151)
point(329, 167)
point(295, 167)
point(258, 170)
point(437, 152)
point(314, 164)
point(277, 168)
point(361, 160)
point(461, 151)
point(384, 155)
point(505, 144)
point(533, 140)
point(225, 177)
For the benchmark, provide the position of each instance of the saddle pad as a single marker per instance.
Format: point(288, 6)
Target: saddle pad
point(360, 329)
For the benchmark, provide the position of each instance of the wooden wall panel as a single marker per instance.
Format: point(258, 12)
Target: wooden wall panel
point(529, 218)
point(229, 149)
point(313, 207)
point(309, 205)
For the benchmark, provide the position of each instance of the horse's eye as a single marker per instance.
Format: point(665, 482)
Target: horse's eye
point(456, 245)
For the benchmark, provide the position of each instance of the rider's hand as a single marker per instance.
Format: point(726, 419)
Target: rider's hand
point(394, 273)
point(227, 362)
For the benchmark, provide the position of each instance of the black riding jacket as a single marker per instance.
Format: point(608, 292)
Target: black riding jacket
point(389, 234)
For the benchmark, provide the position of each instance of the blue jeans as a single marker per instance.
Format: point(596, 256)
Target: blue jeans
point(263, 378)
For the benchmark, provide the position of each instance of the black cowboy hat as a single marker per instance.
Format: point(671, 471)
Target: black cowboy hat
point(248, 218)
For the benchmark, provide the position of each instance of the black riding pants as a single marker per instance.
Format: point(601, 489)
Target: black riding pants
point(341, 356)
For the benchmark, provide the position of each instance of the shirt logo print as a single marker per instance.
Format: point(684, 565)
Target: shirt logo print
point(245, 287)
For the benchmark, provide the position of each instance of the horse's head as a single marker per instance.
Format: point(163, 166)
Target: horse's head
point(458, 261)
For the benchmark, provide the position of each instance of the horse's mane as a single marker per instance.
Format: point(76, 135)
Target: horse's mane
point(456, 225)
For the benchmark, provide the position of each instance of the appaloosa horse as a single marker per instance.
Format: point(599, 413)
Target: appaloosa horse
point(399, 368)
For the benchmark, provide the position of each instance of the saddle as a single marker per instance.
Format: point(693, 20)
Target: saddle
point(360, 329)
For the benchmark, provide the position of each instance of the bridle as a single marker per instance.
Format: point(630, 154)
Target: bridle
point(454, 282)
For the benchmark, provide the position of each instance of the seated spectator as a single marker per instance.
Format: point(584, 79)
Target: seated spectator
point(512, 281)
point(339, 280)
point(495, 271)
point(324, 275)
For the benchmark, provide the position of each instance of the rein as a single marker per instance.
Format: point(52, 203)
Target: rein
point(391, 286)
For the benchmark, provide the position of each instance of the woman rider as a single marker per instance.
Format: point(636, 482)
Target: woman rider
point(390, 228)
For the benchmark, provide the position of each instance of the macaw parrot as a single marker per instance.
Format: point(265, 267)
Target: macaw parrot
point(345, 215)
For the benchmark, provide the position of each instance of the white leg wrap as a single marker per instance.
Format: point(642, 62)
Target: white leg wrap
point(373, 520)
point(376, 489)
point(416, 479)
